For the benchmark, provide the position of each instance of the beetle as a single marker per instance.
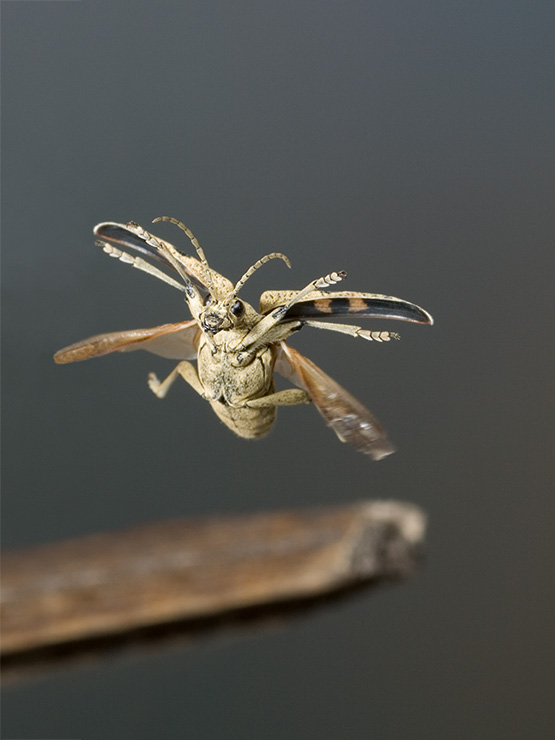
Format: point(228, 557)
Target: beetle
point(238, 348)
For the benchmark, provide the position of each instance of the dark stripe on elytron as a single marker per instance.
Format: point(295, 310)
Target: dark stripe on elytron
point(356, 306)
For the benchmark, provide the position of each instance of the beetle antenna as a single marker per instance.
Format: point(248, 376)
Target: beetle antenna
point(196, 245)
point(165, 249)
point(257, 264)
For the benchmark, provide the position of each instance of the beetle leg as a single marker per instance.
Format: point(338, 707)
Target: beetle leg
point(287, 397)
point(187, 372)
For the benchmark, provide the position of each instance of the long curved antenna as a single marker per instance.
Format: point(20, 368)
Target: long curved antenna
point(196, 245)
point(257, 264)
point(168, 251)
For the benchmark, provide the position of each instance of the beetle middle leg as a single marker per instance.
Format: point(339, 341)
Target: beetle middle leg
point(187, 372)
point(287, 397)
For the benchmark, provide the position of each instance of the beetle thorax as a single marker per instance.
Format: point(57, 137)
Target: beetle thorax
point(232, 376)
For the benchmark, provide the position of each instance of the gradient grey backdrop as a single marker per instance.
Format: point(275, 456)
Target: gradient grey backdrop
point(409, 143)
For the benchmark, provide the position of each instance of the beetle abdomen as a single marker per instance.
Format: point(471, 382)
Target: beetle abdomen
point(244, 421)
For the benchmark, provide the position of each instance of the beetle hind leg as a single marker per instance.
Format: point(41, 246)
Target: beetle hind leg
point(187, 372)
point(287, 397)
point(158, 387)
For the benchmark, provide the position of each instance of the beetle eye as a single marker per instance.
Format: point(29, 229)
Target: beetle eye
point(237, 308)
point(208, 300)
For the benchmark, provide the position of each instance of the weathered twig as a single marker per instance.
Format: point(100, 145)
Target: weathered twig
point(112, 584)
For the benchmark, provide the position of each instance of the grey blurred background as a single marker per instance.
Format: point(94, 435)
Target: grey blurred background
point(410, 144)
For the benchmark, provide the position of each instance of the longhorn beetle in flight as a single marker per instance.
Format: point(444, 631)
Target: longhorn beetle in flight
point(237, 348)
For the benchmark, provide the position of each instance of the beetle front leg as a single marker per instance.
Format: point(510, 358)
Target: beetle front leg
point(188, 373)
point(288, 397)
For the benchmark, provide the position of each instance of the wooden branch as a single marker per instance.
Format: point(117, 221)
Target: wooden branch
point(110, 584)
